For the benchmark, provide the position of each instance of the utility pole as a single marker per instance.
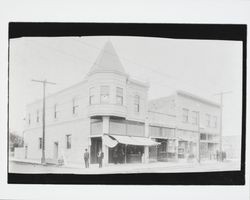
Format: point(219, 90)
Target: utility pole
point(199, 139)
point(221, 94)
point(44, 82)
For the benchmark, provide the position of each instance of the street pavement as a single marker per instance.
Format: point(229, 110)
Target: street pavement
point(156, 167)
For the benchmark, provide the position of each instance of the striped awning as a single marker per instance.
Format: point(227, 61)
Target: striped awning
point(108, 141)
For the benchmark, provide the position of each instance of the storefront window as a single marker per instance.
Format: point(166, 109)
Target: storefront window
point(163, 147)
point(171, 146)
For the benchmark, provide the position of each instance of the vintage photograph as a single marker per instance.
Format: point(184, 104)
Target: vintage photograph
point(124, 104)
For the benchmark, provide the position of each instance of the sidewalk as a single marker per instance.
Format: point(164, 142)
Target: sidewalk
point(24, 160)
point(154, 167)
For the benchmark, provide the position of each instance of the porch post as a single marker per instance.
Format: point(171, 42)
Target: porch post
point(105, 130)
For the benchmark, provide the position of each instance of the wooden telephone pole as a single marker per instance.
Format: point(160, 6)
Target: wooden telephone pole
point(221, 94)
point(44, 82)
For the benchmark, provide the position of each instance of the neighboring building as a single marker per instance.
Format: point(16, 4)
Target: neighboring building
point(184, 117)
point(232, 146)
point(109, 111)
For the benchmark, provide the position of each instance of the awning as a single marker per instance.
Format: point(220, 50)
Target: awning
point(146, 141)
point(109, 141)
point(138, 141)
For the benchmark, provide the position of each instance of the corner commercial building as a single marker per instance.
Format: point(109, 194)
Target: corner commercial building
point(109, 111)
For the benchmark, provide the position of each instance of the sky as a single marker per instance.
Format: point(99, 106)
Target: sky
point(201, 67)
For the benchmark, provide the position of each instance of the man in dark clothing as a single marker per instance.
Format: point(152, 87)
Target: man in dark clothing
point(86, 158)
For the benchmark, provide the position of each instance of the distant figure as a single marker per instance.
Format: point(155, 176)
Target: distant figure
point(217, 155)
point(224, 156)
point(86, 158)
point(100, 157)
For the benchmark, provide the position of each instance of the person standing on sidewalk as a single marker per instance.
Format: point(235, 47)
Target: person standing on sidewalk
point(100, 157)
point(86, 158)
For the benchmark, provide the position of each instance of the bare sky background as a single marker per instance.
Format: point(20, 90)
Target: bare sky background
point(201, 67)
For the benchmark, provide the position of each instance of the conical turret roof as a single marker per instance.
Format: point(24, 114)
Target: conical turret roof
point(107, 61)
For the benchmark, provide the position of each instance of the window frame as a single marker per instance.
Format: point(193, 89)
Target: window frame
point(74, 106)
point(208, 120)
point(103, 94)
point(215, 121)
point(163, 147)
point(91, 95)
point(186, 116)
point(195, 115)
point(136, 104)
point(37, 116)
point(29, 118)
point(68, 141)
point(118, 95)
point(55, 111)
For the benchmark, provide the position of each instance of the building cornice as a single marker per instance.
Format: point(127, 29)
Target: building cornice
point(197, 98)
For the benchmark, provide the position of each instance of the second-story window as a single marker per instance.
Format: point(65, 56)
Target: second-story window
point(37, 116)
point(203, 136)
point(29, 119)
point(185, 115)
point(195, 117)
point(208, 118)
point(55, 111)
point(75, 106)
point(91, 96)
point(215, 122)
point(137, 103)
point(119, 96)
point(104, 94)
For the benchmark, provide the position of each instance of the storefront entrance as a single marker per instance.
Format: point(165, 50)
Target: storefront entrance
point(208, 150)
point(122, 153)
point(117, 154)
point(166, 151)
point(186, 149)
point(96, 146)
point(134, 154)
